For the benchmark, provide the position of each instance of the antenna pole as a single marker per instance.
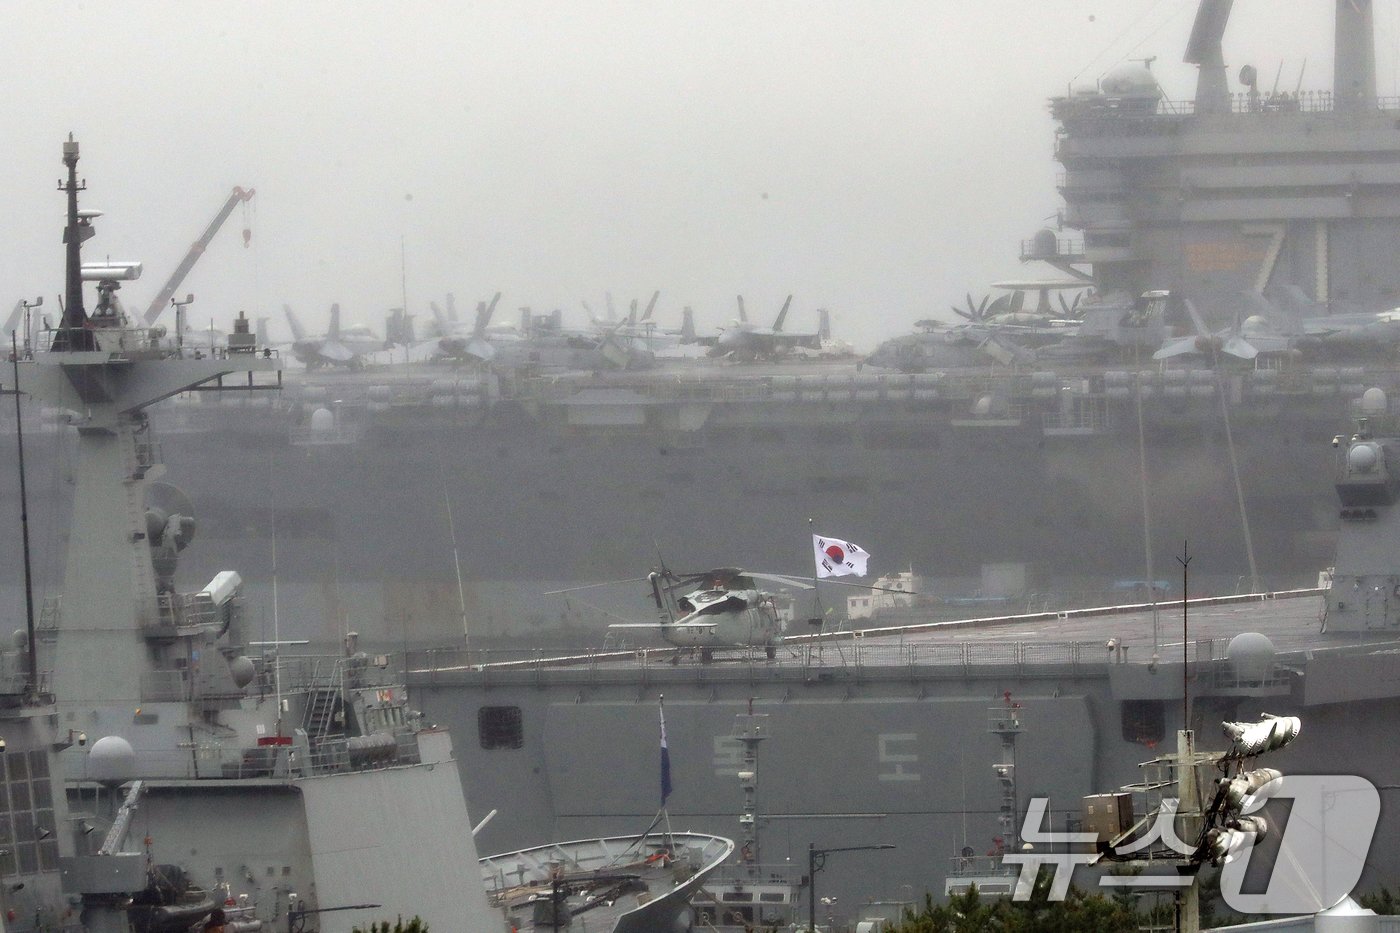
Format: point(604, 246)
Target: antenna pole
point(1185, 561)
point(276, 621)
point(32, 688)
point(73, 236)
point(456, 559)
point(1147, 522)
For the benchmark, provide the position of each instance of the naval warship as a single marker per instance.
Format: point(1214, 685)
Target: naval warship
point(165, 768)
point(879, 739)
point(1033, 462)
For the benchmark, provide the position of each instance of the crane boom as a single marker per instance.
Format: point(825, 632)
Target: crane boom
point(196, 250)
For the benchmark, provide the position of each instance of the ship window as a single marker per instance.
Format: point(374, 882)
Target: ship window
point(48, 855)
point(19, 795)
point(500, 727)
point(1144, 721)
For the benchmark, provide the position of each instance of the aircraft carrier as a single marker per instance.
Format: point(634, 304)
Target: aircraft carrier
point(557, 477)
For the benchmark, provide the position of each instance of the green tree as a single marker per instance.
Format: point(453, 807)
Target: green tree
point(1383, 901)
point(970, 913)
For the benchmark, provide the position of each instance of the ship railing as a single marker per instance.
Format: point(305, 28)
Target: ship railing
point(176, 612)
point(1089, 418)
point(14, 675)
point(1241, 103)
point(853, 655)
point(333, 756)
point(137, 343)
point(965, 866)
point(324, 672)
point(1064, 246)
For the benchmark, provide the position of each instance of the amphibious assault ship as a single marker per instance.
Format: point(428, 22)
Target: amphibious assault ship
point(164, 768)
point(881, 737)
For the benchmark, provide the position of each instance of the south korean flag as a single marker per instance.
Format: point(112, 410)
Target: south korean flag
point(836, 558)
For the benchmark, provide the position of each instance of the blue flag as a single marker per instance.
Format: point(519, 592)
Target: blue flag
point(665, 758)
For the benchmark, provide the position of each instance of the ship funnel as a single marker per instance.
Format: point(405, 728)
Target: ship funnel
point(1354, 68)
point(1204, 50)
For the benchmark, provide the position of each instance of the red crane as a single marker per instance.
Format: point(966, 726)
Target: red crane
point(239, 196)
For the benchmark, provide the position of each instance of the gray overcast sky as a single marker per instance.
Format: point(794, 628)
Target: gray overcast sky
point(877, 158)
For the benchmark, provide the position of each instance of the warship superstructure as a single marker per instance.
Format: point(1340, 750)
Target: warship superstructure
point(165, 768)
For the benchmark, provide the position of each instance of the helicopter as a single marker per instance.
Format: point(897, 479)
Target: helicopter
point(723, 608)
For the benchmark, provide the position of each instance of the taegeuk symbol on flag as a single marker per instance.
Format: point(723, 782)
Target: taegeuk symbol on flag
point(836, 558)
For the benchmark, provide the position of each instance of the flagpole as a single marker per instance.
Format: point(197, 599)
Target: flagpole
point(816, 593)
point(665, 770)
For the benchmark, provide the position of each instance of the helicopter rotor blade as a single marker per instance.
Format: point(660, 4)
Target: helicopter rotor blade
point(591, 586)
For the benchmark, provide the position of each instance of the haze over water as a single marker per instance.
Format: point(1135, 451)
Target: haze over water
point(879, 159)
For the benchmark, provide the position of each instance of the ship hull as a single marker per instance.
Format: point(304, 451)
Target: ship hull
point(539, 494)
point(875, 744)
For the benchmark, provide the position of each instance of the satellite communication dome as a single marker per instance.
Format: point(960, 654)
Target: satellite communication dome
point(1363, 458)
point(1045, 242)
point(112, 760)
point(1131, 79)
point(983, 406)
point(1252, 655)
point(1255, 324)
point(323, 419)
point(20, 639)
point(1373, 401)
point(242, 670)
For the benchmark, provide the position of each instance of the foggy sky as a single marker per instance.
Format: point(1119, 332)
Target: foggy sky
point(877, 158)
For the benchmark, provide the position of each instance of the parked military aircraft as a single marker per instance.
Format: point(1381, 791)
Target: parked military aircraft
point(1304, 324)
point(1009, 310)
point(339, 346)
point(12, 322)
point(472, 343)
point(937, 345)
point(1230, 341)
point(540, 342)
point(1118, 325)
point(722, 608)
point(743, 339)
